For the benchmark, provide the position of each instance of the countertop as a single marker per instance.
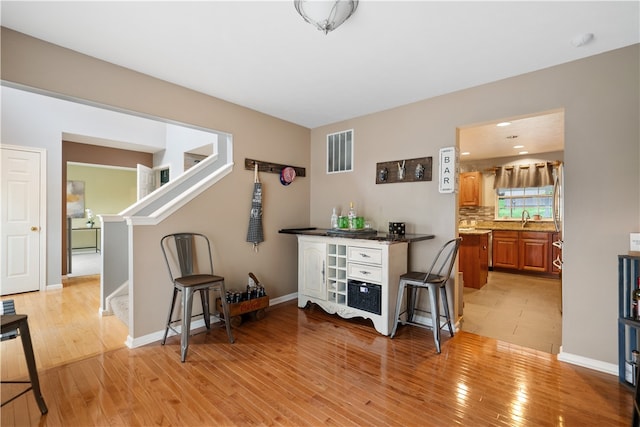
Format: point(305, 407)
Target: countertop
point(473, 231)
point(380, 237)
point(532, 225)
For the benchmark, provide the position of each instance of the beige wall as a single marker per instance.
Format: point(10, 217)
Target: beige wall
point(600, 97)
point(221, 212)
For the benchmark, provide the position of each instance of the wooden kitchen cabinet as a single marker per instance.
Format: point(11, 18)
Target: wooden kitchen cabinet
point(524, 251)
point(474, 259)
point(534, 251)
point(470, 193)
point(505, 249)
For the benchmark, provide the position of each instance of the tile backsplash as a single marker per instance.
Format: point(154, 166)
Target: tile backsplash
point(476, 213)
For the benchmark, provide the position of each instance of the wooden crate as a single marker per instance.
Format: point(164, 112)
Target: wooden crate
point(254, 307)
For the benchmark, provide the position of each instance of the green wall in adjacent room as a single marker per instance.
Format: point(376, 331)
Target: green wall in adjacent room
point(108, 190)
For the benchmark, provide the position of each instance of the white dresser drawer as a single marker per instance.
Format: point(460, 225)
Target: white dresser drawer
point(366, 273)
point(368, 255)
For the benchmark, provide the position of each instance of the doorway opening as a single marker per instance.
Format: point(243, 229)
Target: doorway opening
point(513, 303)
point(93, 190)
point(97, 180)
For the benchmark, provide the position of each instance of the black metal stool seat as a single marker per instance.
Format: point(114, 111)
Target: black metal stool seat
point(12, 322)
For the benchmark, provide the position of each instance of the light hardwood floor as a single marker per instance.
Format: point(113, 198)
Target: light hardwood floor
point(295, 367)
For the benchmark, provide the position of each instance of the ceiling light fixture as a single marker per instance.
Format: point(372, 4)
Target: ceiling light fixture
point(465, 153)
point(502, 124)
point(518, 146)
point(523, 152)
point(326, 15)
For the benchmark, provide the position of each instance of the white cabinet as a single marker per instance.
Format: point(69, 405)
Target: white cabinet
point(351, 277)
point(311, 274)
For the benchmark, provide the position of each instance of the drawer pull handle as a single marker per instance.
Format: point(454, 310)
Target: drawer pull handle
point(363, 255)
point(365, 272)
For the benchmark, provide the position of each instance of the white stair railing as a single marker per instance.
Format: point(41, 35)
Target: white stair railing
point(151, 210)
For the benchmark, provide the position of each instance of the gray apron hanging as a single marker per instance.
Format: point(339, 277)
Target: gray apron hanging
point(255, 234)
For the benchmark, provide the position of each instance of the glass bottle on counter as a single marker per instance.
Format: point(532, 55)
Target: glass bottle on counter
point(334, 219)
point(352, 216)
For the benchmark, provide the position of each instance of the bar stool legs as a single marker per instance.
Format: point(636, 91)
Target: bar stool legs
point(19, 321)
point(434, 301)
point(31, 366)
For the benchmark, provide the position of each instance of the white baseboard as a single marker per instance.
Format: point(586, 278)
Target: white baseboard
point(157, 336)
point(283, 298)
point(585, 362)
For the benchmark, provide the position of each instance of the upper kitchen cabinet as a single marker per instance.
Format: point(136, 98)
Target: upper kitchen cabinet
point(470, 189)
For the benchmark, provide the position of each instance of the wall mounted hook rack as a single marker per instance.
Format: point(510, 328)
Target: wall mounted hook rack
point(249, 164)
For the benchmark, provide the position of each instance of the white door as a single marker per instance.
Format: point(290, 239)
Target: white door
point(20, 211)
point(146, 181)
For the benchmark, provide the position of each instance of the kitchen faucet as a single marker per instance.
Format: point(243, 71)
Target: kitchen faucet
point(525, 217)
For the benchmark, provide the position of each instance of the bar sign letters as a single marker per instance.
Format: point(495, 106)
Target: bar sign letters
point(448, 176)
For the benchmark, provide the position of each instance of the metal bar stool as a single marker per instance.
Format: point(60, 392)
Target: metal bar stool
point(192, 271)
point(434, 280)
point(12, 323)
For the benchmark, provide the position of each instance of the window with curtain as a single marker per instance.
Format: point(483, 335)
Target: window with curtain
point(511, 202)
point(524, 187)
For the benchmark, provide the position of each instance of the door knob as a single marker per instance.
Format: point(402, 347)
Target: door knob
point(34, 228)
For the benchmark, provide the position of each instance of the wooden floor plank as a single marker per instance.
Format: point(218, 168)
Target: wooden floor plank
point(300, 367)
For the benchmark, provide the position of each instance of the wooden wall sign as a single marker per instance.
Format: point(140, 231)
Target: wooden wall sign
point(406, 170)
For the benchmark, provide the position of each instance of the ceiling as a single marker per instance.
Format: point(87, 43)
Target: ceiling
point(262, 55)
point(515, 136)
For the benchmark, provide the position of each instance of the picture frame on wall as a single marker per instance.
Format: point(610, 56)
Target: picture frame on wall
point(75, 199)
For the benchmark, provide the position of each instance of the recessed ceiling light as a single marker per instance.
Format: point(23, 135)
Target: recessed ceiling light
point(523, 152)
point(465, 153)
point(518, 146)
point(501, 124)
